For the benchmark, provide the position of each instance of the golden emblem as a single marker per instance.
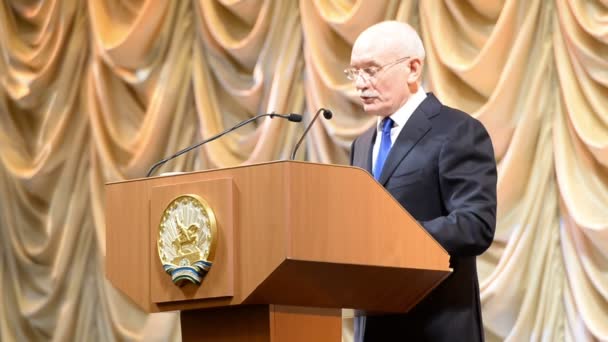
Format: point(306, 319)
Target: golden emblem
point(187, 239)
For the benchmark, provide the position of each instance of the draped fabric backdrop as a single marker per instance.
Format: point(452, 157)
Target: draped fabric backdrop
point(96, 91)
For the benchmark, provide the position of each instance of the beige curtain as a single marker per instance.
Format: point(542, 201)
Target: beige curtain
point(96, 91)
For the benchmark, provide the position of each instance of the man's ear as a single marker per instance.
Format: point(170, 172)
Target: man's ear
point(415, 70)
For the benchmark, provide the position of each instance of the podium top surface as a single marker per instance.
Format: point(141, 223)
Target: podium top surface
point(183, 173)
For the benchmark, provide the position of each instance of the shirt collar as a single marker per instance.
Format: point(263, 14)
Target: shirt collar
point(402, 114)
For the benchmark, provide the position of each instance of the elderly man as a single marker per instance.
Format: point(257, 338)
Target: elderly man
point(438, 163)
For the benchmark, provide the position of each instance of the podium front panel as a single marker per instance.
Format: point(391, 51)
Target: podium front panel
point(221, 196)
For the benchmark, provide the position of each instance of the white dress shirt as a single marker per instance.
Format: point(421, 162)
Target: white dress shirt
point(400, 117)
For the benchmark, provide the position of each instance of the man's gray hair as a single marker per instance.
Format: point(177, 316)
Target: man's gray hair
point(402, 35)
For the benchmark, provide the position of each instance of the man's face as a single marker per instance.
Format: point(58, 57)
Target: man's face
point(385, 92)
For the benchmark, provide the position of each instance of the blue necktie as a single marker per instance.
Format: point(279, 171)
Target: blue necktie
point(385, 146)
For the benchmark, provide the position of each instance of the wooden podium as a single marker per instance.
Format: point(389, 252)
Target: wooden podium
point(296, 243)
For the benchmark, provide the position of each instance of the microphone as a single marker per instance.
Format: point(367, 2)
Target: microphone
point(291, 117)
point(326, 113)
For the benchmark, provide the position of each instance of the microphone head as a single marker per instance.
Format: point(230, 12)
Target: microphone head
point(294, 117)
point(327, 114)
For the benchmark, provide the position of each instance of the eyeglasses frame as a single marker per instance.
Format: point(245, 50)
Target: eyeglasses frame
point(353, 73)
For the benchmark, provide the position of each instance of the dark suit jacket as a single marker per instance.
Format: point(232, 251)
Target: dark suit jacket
point(442, 170)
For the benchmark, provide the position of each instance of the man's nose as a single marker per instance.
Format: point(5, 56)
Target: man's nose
point(360, 82)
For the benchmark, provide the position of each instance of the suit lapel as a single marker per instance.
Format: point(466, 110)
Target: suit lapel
point(363, 157)
point(415, 128)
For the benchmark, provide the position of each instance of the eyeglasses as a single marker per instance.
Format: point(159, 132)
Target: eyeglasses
point(370, 72)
